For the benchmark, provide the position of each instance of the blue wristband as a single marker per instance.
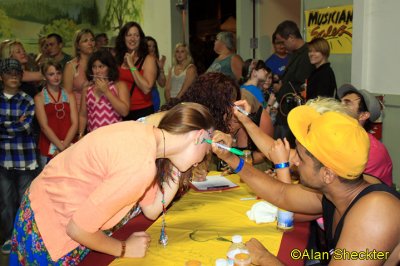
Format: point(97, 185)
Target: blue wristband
point(240, 166)
point(281, 165)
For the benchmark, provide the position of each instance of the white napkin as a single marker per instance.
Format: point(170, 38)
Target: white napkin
point(263, 212)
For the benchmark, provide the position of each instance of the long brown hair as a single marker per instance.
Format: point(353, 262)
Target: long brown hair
point(181, 119)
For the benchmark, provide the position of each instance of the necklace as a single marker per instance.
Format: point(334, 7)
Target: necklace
point(163, 235)
point(58, 106)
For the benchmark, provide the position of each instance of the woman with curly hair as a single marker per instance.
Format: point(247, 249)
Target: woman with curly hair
point(215, 91)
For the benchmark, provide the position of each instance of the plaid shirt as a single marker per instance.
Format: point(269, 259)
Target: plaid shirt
point(17, 146)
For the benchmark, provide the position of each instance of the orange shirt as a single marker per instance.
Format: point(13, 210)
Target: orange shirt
point(95, 182)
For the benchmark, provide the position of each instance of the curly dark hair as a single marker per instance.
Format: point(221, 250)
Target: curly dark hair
point(106, 58)
point(120, 46)
point(217, 92)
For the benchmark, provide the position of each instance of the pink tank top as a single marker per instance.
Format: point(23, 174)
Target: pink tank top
point(78, 83)
point(99, 110)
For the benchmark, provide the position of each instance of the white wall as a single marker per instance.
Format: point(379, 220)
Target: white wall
point(376, 56)
point(269, 13)
point(375, 64)
point(163, 21)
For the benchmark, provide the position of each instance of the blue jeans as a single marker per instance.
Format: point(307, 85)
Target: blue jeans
point(155, 97)
point(13, 184)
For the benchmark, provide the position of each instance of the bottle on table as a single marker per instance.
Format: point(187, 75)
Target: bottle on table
point(242, 259)
point(237, 247)
point(221, 262)
point(284, 220)
point(248, 158)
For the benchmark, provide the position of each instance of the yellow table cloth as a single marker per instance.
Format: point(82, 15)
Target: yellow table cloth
point(196, 223)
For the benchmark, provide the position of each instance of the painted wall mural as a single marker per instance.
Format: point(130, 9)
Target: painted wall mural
point(27, 20)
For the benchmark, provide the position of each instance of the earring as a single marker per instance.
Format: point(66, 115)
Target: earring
point(196, 142)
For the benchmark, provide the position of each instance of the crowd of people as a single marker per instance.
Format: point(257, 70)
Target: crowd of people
point(73, 165)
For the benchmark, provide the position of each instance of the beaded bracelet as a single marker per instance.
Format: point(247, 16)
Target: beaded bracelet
point(281, 165)
point(123, 249)
point(240, 166)
point(133, 69)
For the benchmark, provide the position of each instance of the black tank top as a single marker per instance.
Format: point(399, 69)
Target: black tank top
point(329, 209)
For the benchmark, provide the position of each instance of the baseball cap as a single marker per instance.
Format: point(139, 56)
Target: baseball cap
point(373, 105)
point(335, 139)
point(9, 65)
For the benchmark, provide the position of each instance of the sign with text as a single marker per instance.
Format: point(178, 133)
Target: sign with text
point(334, 24)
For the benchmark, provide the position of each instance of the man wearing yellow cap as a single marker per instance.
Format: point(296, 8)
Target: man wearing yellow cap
point(361, 219)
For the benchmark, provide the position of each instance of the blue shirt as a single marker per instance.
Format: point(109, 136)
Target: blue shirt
point(277, 64)
point(256, 91)
point(17, 145)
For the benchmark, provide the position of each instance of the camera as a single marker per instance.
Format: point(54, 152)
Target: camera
point(294, 100)
point(289, 101)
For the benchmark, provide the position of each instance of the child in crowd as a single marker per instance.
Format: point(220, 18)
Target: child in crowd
point(254, 72)
point(269, 95)
point(106, 100)
point(56, 112)
point(18, 165)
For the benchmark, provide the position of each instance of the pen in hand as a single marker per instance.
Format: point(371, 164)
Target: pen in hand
point(240, 109)
point(222, 146)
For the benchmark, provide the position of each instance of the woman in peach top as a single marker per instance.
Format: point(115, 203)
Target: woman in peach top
point(65, 210)
point(74, 72)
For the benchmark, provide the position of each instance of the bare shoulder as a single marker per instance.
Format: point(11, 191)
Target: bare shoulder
point(71, 62)
point(372, 223)
point(237, 58)
point(192, 68)
point(120, 84)
point(69, 66)
point(38, 98)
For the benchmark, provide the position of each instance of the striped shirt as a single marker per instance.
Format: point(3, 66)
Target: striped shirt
point(100, 111)
point(17, 145)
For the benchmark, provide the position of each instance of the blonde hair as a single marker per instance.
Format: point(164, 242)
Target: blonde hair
point(323, 105)
point(251, 100)
point(188, 59)
point(77, 39)
point(7, 47)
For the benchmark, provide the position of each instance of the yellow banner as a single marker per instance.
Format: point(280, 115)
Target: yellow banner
point(334, 24)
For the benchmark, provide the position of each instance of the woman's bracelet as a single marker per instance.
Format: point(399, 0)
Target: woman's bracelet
point(281, 165)
point(240, 166)
point(123, 249)
point(133, 69)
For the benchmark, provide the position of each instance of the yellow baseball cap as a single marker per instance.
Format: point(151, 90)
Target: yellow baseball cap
point(335, 139)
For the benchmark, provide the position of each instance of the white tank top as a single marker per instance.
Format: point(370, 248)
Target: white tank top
point(177, 81)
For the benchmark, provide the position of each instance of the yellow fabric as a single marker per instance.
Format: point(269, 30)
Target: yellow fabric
point(213, 214)
point(337, 140)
